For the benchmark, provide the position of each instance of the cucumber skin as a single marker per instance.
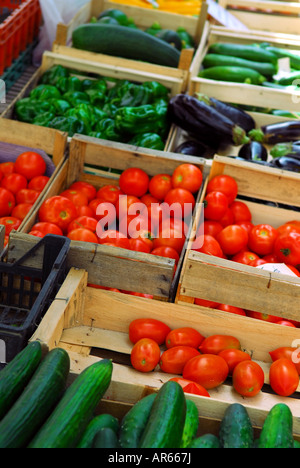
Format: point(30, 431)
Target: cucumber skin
point(248, 52)
point(233, 74)
point(236, 430)
point(68, 421)
point(17, 374)
point(106, 438)
point(214, 60)
point(191, 424)
point(165, 426)
point(97, 423)
point(120, 41)
point(205, 441)
point(134, 422)
point(277, 431)
point(37, 401)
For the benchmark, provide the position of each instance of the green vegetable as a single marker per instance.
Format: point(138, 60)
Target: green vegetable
point(60, 106)
point(67, 423)
point(205, 441)
point(236, 429)
point(70, 125)
point(97, 423)
point(37, 400)
point(116, 14)
point(133, 95)
point(277, 431)
point(106, 438)
point(291, 79)
point(44, 92)
point(171, 37)
point(43, 120)
point(153, 30)
point(191, 424)
point(148, 140)
point(296, 444)
point(168, 412)
point(107, 20)
point(249, 52)
point(283, 53)
point(235, 74)
point(17, 374)
point(69, 84)
point(28, 109)
point(187, 40)
point(142, 119)
point(214, 60)
point(134, 422)
point(75, 98)
point(291, 115)
point(52, 75)
point(108, 131)
point(158, 90)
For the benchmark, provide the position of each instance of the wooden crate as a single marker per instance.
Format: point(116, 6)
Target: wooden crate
point(143, 19)
point(241, 93)
point(93, 324)
point(227, 282)
point(265, 15)
point(111, 266)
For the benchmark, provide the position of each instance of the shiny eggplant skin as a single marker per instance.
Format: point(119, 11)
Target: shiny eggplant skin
point(253, 151)
point(277, 132)
point(194, 148)
point(286, 163)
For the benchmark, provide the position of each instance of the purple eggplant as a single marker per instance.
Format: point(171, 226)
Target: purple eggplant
point(277, 132)
point(253, 151)
point(195, 148)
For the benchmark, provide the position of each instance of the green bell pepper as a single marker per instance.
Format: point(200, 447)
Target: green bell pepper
point(45, 92)
point(28, 109)
point(133, 95)
point(107, 129)
point(70, 125)
point(60, 106)
point(43, 120)
point(52, 75)
point(158, 90)
point(142, 119)
point(76, 98)
point(113, 92)
point(148, 140)
point(69, 84)
point(83, 115)
point(154, 29)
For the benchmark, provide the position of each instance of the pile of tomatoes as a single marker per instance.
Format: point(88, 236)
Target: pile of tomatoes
point(228, 232)
point(21, 183)
point(129, 215)
point(203, 363)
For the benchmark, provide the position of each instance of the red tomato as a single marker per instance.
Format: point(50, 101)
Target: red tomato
point(286, 323)
point(225, 184)
point(148, 199)
point(38, 183)
point(37, 234)
point(116, 238)
point(14, 183)
point(7, 168)
point(227, 219)
point(146, 296)
point(286, 228)
point(233, 357)
point(215, 206)
point(240, 211)
point(58, 210)
point(129, 204)
point(232, 309)
point(48, 228)
point(83, 235)
point(205, 303)
point(104, 212)
point(148, 328)
point(156, 215)
point(85, 211)
point(173, 360)
point(284, 377)
point(88, 189)
point(145, 355)
point(146, 236)
point(208, 370)
point(165, 251)
point(182, 203)
point(109, 193)
point(160, 185)
point(170, 237)
point(138, 245)
point(187, 176)
point(210, 246)
point(245, 257)
point(257, 262)
point(27, 196)
point(11, 223)
point(248, 378)
point(288, 353)
point(272, 258)
point(21, 211)
point(132, 225)
point(262, 238)
point(246, 225)
point(191, 387)
point(287, 248)
point(294, 270)
point(212, 228)
point(30, 165)
point(261, 316)
point(214, 344)
point(184, 336)
point(83, 222)
point(233, 239)
point(134, 181)
point(77, 197)
point(7, 202)
point(174, 224)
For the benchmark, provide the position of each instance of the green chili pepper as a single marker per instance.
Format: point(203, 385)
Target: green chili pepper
point(69, 84)
point(52, 75)
point(148, 140)
point(27, 109)
point(45, 92)
point(71, 125)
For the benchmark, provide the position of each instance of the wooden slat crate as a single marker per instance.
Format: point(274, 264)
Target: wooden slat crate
point(266, 15)
point(228, 282)
point(143, 19)
point(242, 93)
point(93, 324)
point(111, 266)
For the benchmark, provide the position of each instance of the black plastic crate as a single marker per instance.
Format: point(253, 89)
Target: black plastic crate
point(27, 292)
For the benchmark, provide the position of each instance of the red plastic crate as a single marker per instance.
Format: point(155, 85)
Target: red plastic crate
point(19, 29)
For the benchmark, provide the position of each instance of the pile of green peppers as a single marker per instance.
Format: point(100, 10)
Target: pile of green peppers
point(116, 110)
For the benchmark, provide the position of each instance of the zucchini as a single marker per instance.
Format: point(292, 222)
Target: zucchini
point(129, 43)
point(37, 400)
point(289, 79)
point(68, 421)
point(167, 418)
point(233, 74)
point(134, 422)
point(266, 69)
point(171, 37)
point(283, 53)
point(16, 375)
point(191, 424)
point(205, 441)
point(106, 438)
point(277, 430)
point(296, 444)
point(236, 429)
point(97, 423)
point(249, 52)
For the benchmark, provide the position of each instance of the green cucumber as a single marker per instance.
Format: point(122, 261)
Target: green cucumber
point(165, 425)
point(289, 79)
point(129, 43)
point(68, 421)
point(37, 401)
point(134, 422)
point(171, 37)
point(106, 438)
point(283, 53)
point(16, 375)
point(264, 68)
point(191, 424)
point(236, 430)
point(233, 74)
point(277, 430)
point(205, 441)
point(249, 52)
point(296, 444)
point(97, 423)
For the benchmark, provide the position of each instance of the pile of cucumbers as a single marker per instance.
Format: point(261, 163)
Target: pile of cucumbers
point(255, 64)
